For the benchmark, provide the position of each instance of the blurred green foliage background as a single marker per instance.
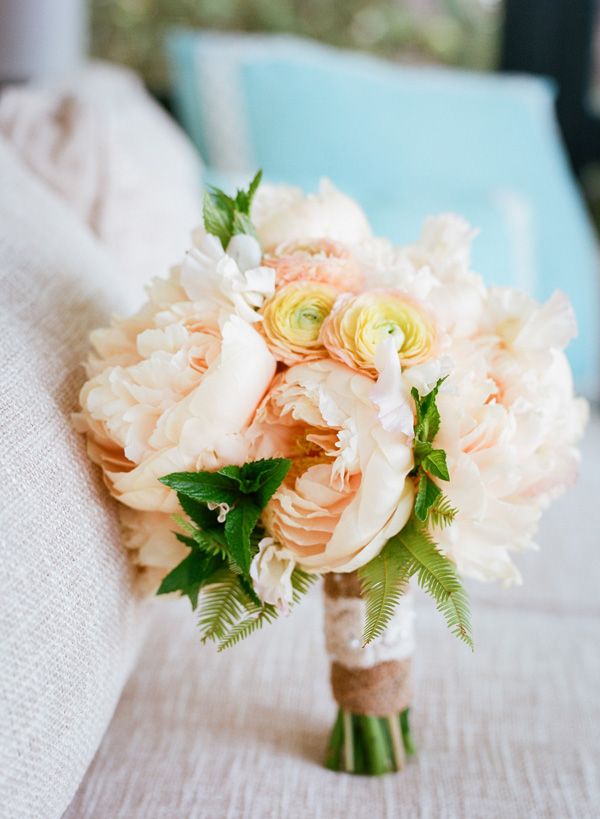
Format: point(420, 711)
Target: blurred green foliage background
point(454, 32)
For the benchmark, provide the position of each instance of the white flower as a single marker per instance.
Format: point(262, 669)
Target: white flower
point(208, 274)
point(390, 393)
point(271, 572)
point(284, 215)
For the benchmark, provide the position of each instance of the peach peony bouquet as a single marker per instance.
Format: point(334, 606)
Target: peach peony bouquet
point(301, 398)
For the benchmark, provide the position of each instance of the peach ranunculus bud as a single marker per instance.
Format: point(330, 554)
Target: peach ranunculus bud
point(358, 324)
point(318, 260)
point(292, 320)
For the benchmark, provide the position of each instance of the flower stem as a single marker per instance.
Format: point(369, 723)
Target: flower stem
point(409, 745)
point(333, 759)
point(348, 742)
point(377, 746)
point(397, 742)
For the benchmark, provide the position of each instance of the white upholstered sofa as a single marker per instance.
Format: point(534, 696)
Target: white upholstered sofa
point(109, 706)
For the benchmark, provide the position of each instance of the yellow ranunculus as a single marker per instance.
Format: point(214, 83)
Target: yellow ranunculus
point(358, 324)
point(292, 320)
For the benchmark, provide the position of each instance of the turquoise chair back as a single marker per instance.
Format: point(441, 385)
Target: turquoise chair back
point(407, 143)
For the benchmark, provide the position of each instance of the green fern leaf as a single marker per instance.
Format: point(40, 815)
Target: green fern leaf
point(437, 576)
point(222, 604)
point(259, 615)
point(442, 513)
point(383, 582)
point(257, 619)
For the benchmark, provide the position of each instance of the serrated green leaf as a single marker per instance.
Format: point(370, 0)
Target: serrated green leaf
point(239, 525)
point(428, 416)
point(210, 487)
point(435, 463)
point(198, 512)
point(427, 493)
point(189, 576)
point(266, 477)
point(421, 450)
point(242, 224)
point(259, 478)
point(218, 220)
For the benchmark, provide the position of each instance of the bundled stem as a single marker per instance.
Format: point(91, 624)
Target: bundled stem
point(371, 734)
point(363, 744)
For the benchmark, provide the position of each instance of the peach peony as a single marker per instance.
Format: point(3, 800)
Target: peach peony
point(172, 389)
point(318, 260)
point(348, 490)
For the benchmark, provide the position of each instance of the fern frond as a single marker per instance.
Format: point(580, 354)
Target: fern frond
point(257, 615)
point(301, 583)
point(437, 576)
point(222, 604)
point(383, 582)
point(442, 513)
point(257, 619)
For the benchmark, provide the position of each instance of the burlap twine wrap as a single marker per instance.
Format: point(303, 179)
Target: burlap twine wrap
point(379, 689)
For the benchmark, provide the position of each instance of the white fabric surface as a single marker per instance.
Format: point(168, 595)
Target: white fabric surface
point(103, 145)
point(68, 618)
point(509, 732)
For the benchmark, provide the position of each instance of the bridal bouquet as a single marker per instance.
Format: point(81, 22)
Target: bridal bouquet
point(299, 398)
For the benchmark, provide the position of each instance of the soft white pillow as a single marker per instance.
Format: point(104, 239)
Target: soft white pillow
point(69, 619)
point(118, 160)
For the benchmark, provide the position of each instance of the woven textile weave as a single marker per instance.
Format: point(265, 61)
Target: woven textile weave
point(68, 620)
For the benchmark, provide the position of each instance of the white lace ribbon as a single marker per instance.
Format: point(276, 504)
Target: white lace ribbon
point(344, 620)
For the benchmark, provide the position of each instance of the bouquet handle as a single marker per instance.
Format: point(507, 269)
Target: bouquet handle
point(371, 684)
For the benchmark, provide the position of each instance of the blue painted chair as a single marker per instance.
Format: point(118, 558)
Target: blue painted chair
point(406, 142)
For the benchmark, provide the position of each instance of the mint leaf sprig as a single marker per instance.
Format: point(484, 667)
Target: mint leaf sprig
point(430, 463)
point(226, 216)
point(216, 572)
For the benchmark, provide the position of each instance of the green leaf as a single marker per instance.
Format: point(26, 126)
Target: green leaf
point(239, 525)
point(266, 476)
point(383, 582)
point(260, 478)
point(421, 450)
point(442, 513)
point(218, 220)
point(242, 224)
point(198, 512)
point(189, 576)
point(427, 494)
point(210, 487)
point(225, 217)
point(435, 463)
point(428, 416)
point(436, 575)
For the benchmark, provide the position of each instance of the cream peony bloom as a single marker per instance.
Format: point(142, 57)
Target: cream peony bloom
point(292, 320)
point(271, 572)
point(176, 392)
point(283, 214)
point(357, 325)
point(348, 490)
point(510, 425)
